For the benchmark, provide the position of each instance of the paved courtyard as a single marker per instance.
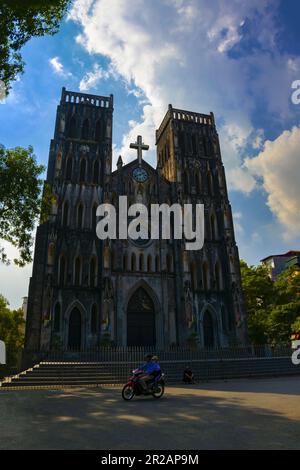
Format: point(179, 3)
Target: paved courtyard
point(238, 414)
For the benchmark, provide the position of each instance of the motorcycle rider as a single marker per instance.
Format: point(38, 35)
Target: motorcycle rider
point(151, 368)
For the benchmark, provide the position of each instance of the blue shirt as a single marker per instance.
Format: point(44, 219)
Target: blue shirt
point(151, 367)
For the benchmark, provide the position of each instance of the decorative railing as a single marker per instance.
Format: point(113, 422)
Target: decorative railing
point(187, 116)
point(83, 98)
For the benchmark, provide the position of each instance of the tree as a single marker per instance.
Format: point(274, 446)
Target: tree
point(20, 200)
point(258, 293)
point(11, 330)
point(20, 21)
point(273, 308)
point(285, 308)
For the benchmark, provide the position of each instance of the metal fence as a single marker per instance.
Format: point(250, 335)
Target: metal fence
point(137, 354)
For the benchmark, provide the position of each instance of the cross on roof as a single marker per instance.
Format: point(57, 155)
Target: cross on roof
point(139, 146)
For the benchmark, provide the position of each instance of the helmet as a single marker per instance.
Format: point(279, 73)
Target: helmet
point(154, 358)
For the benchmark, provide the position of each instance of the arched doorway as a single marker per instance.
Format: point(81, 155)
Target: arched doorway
point(208, 330)
point(140, 319)
point(74, 339)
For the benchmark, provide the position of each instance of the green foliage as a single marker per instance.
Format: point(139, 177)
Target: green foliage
point(258, 292)
point(272, 307)
point(47, 200)
point(12, 326)
point(20, 201)
point(296, 326)
point(21, 20)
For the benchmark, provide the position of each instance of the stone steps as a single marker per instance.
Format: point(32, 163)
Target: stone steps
point(51, 374)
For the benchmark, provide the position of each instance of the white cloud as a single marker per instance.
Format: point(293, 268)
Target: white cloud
point(278, 165)
point(237, 218)
point(174, 52)
point(58, 67)
point(92, 79)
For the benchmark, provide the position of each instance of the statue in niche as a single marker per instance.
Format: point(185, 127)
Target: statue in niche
point(62, 124)
point(189, 314)
point(108, 303)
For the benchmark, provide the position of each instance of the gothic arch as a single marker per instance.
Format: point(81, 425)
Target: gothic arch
point(149, 291)
point(85, 129)
point(93, 271)
point(80, 216)
point(141, 319)
point(205, 276)
point(76, 304)
point(218, 276)
point(96, 172)
point(209, 319)
point(82, 170)
point(72, 127)
point(62, 270)
point(77, 271)
point(69, 168)
point(65, 215)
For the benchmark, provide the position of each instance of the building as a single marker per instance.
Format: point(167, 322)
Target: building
point(277, 263)
point(83, 291)
point(24, 307)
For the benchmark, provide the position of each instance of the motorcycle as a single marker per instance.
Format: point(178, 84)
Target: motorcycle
point(156, 387)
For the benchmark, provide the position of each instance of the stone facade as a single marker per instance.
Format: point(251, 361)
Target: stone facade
point(85, 292)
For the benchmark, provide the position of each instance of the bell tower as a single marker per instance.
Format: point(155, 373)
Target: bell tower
point(64, 306)
point(208, 280)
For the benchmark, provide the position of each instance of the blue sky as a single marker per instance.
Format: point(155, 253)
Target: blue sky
point(236, 58)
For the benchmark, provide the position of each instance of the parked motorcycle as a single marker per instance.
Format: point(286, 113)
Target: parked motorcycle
point(156, 387)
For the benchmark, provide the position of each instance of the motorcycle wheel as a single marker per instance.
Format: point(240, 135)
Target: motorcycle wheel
point(127, 392)
point(158, 391)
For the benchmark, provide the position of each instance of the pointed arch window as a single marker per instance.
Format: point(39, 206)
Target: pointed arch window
point(69, 167)
point(213, 227)
point(82, 172)
point(65, 218)
point(224, 319)
point(141, 262)
point(62, 270)
point(77, 271)
point(194, 144)
point(149, 263)
point(157, 264)
point(93, 272)
point(72, 127)
point(99, 130)
point(133, 262)
point(218, 276)
point(169, 263)
point(210, 187)
point(80, 216)
point(96, 172)
point(193, 276)
point(85, 130)
point(205, 277)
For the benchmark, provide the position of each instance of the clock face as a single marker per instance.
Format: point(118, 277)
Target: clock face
point(140, 175)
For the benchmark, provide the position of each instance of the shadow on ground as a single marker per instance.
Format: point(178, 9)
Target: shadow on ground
point(235, 415)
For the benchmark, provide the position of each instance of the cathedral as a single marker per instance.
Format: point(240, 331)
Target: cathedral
point(85, 292)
